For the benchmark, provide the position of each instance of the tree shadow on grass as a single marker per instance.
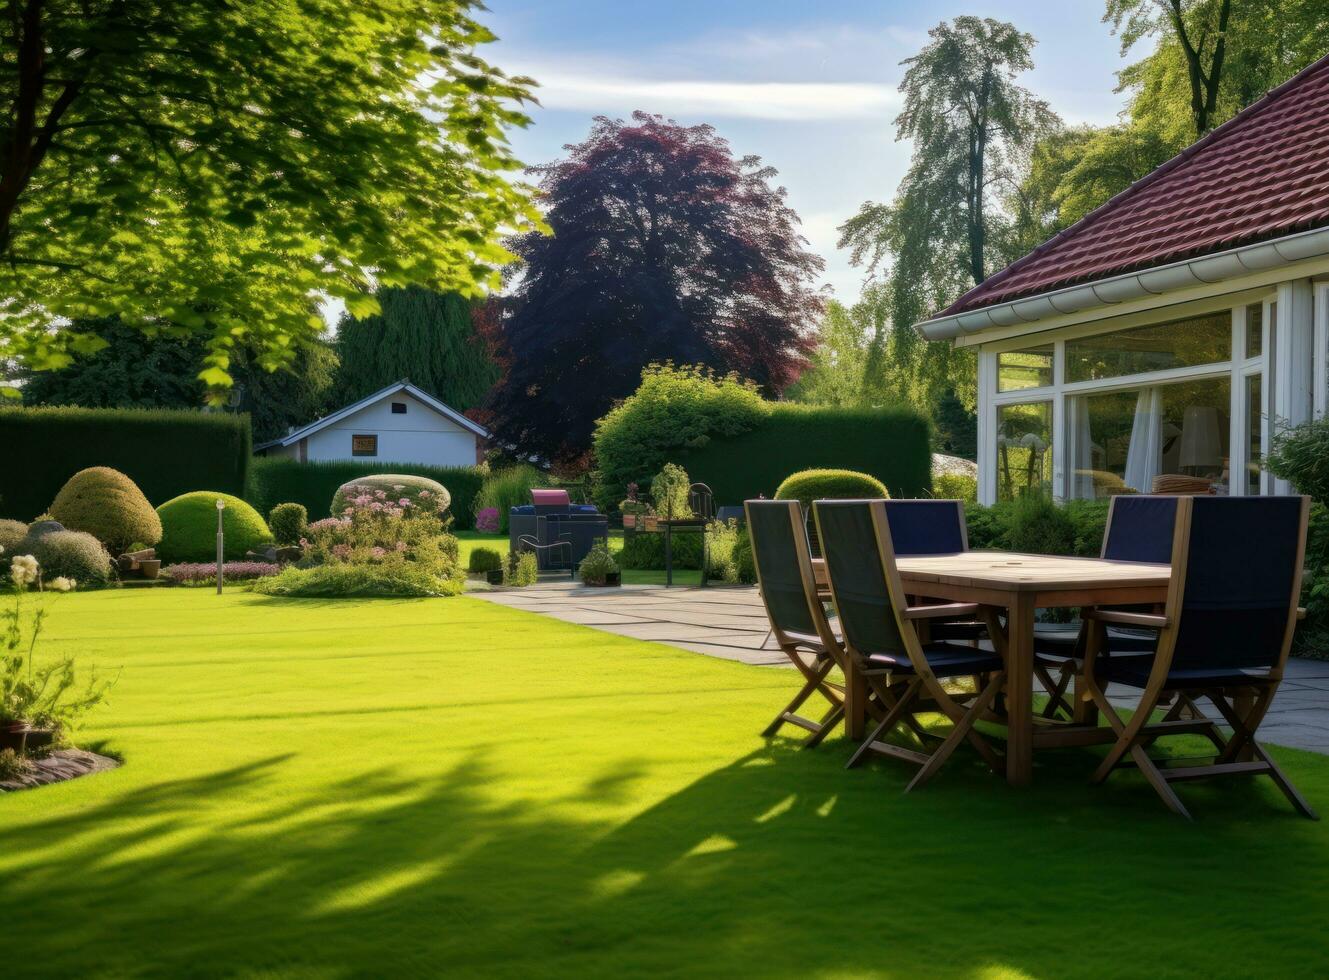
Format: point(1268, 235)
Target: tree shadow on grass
point(776, 863)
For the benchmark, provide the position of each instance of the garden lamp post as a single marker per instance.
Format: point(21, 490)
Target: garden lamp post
point(221, 506)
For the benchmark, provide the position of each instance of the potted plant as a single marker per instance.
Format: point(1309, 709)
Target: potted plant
point(599, 567)
point(631, 508)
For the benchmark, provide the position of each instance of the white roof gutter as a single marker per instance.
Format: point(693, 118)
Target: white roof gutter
point(1205, 270)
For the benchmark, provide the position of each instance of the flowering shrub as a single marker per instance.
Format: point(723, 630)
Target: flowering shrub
point(205, 573)
point(486, 519)
point(379, 544)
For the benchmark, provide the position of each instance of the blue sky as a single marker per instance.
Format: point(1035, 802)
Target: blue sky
point(810, 87)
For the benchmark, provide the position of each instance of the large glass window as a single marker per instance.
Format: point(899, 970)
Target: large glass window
point(1020, 369)
point(1157, 347)
point(1170, 437)
point(1024, 449)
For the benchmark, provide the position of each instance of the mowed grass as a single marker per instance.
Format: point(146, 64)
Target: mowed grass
point(447, 787)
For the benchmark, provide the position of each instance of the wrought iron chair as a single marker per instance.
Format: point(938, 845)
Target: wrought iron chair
point(1224, 634)
point(882, 643)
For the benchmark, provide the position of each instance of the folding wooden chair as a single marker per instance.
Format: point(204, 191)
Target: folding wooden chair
point(1139, 528)
point(798, 621)
point(881, 642)
point(934, 527)
point(1224, 635)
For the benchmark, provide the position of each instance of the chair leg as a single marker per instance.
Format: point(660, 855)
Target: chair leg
point(814, 681)
point(1158, 782)
point(1127, 733)
point(1056, 689)
point(886, 724)
point(963, 730)
point(1283, 783)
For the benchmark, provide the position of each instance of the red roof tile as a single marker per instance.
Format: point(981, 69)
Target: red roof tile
point(1261, 175)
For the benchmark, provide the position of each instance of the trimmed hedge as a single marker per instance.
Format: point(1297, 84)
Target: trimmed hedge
point(106, 504)
point(276, 481)
point(165, 452)
point(189, 527)
point(890, 444)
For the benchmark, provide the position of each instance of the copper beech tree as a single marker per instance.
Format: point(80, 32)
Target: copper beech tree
point(666, 247)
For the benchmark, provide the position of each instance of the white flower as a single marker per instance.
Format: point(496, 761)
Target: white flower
point(23, 570)
point(62, 584)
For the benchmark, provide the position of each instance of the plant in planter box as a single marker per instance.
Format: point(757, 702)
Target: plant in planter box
point(669, 490)
point(38, 702)
point(599, 567)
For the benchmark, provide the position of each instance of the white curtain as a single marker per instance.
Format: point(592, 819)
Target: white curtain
point(1144, 458)
point(1082, 448)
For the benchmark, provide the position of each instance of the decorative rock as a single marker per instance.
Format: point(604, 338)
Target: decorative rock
point(58, 766)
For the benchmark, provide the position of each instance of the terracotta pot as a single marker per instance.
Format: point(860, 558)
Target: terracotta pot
point(151, 568)
point(629, 520)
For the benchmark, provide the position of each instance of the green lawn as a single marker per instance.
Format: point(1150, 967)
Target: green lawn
point(429, 787)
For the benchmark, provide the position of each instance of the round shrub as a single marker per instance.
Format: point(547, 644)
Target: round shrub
point(73, 554)
point(108, 505)
point(288, 522)
point(484, 560)
point(806, 486)
point(11, 533)
point(419, 490)
point(1039, 527)
point(189, 527)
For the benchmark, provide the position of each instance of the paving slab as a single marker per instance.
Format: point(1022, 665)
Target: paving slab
point(729, 622)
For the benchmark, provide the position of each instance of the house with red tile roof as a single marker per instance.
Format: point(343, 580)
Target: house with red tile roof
point(1159, 342)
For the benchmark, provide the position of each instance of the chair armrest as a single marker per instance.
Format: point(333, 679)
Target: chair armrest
point(945, 609)
point(1125, 618)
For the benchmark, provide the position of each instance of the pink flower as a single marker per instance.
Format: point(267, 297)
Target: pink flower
point(404, 502)
point(400, 546)
point(377, 552)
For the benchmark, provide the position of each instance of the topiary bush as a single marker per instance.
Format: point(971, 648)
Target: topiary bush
point(955, 486)
point(484, 560)
point(669, 492)
point(73, 554)
point(288, 523)
point(108, 505)
point(506, 488)
point(189, 527)
point(11, 533)
point(523, 569)
point(421, 491)
point(643, 550)
point(806, 486)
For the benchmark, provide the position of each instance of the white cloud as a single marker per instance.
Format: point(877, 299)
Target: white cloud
point(720, 99)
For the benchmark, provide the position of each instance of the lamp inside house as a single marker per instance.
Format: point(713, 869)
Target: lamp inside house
point(1201, 448)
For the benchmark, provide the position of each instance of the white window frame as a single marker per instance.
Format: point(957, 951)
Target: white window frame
point(1236, 371)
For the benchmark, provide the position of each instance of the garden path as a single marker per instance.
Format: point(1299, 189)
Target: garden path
point(729, 622)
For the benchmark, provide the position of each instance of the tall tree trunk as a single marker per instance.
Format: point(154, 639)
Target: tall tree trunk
point(1204, 84)
point(977, 174)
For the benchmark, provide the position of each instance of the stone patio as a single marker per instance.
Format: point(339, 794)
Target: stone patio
point(730, 623)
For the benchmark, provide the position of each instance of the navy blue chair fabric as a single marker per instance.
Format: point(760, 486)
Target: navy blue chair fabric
point(1141, 529)
point(926, 527)
point(775, 553)
point(863, 601)
point(1240, 565)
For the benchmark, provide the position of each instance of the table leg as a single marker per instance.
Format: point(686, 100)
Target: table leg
point(855, 705)
point(1020, 690)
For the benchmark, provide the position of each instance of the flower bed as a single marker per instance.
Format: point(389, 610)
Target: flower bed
point(205, 573)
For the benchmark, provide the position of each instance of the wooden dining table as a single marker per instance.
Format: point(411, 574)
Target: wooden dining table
point(1019, 584)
